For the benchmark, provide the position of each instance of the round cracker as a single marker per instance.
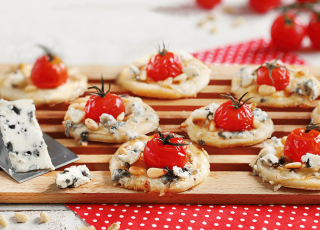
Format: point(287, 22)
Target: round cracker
point(202, 135)
point(280, 99)
point(188, 88)
point(75, 86)
point(200, 162)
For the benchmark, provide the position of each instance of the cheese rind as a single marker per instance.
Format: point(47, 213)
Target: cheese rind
point(73, 177)
point(23, 137)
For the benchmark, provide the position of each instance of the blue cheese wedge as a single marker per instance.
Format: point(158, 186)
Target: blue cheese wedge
point(73, 177)
point(23, 137)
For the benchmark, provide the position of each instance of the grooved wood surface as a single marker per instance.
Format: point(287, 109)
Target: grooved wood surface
point(230, 180)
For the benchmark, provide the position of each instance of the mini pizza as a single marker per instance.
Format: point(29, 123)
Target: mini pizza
point(230, 124)
point(166, 75)
point(106, 117)
point(162, 164)
point(276, 85)
point(46, 82)
point(292, 161)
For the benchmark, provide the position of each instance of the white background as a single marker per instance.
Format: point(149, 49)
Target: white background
point(115, 32)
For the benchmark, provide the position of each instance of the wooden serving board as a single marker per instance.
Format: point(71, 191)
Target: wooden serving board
point(230, 180)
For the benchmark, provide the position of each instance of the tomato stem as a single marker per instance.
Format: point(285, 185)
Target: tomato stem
point(100, 92)
point(47, 51)
point(312, 126)
point(236, 104)
point(164, 51)
point(165, 140)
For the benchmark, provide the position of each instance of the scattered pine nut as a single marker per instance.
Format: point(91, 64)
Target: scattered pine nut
point(256, 123)
point(210, 17)
point(202, 23)
point(239, 21)
point(134, 170)
point(87, 228)
point(214, 29)
point(284, 139)
point(212, 126)
point(199, 120)
point(44, 217)
point(21, 217)
point(114, 226)
point(156, 172)
point(91, 124)
point(266, 90)
point(120, 117)
point(294, 165)
point(228, 9)
point(253, 106)
point(3, 221)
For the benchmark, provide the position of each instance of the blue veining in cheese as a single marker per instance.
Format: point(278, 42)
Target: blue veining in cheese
point(73, 176)
point(22, 136)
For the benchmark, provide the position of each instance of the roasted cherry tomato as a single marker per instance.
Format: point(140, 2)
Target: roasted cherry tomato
point(280, 76)
point(300, 142)
point(313, 31)
point(166, 150)
point(306, 1)
point(208, 4)
point(163, 65)
point(49, 71)
point(287, 32)
point(102, 102)
point(263, 6)
point(234, 115)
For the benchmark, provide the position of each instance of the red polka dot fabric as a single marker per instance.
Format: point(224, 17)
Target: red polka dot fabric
point(257, 51)
point(200, 217)
point(203, 217)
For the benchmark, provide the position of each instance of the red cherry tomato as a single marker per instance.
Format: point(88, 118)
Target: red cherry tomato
point(299, 143)
point(103, 102)
point(208, 4)
point(164, 65)
point(287, 32)
point(263, 6)
point(47, 74)
point(228, 118)
point(280, 76)
point(313, 31)
point(158, 155)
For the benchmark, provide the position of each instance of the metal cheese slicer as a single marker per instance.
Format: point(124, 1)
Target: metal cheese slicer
point(60, 156)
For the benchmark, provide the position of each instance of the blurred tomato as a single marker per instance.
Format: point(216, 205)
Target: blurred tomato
point(263, 6)
point(208, 4)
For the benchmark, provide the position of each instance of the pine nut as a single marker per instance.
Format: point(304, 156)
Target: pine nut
point(284, 139)
point(167, 82)
point(212, 126)
point(120, 117)
point(30, 88)
point(134, 170)
point(128, 116)
point(143, 75)
point(156, 172)
point(256, 123)
point(238, 22)
point(199, 120)
point(253, 106)
point(44, 217)
point(91, 124)
point(266, 90)
point(21, 217)
point(3, 221)
point(294, 165)
point(179, 79)
point(114, 226)
point(87, 228)
point(214, 29)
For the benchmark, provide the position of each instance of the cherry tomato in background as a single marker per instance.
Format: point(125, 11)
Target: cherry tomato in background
point(164, 65)
point(48, 71)
point(102, 102)
point(287, 32)
point(306, 1)
point(280, 76)
point(230, 118)
point(313, 31)
point(159, 155)
point(263, 6)
point(299, 143)
point(208, 4)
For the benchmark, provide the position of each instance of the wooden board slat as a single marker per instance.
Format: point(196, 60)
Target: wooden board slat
point(230, 180)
